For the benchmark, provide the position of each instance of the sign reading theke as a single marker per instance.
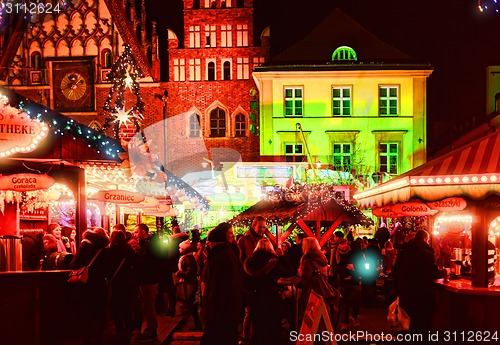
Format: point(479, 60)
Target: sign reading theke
point(18, 132)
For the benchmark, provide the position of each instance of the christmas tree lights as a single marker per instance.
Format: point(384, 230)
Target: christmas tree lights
point(124, 74)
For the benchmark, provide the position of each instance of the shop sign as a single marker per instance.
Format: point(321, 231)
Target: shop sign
point(118, 196)
point(448, 204)
point(19, 133)
point(384, 211)
point(413, 209)
point(25, 182)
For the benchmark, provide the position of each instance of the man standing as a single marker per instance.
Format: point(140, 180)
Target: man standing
point(414, 275)
point(148, 276)
point(248, 242)
point(222, 300)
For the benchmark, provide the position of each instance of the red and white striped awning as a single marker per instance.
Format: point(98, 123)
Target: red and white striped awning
point(472, 170)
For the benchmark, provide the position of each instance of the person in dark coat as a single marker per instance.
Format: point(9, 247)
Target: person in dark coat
point(124, 286)
point(414, 275)
point(222, 302)
point(92, 295)
point(264, 269)
point(32, 251)
point(382, 235)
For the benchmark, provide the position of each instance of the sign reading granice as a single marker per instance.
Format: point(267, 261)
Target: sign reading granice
point(18, 132)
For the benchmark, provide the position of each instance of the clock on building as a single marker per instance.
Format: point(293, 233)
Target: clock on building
point(73, 86)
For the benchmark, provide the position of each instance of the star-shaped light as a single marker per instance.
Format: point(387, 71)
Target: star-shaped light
point(122, 117)
point(128, 81)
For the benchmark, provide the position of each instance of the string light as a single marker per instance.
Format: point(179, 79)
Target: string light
point(488, 6)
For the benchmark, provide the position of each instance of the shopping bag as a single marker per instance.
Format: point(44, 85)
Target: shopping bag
point(322, 287)
point(79, 276)
point(397, 319)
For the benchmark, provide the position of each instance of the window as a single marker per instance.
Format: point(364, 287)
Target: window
point(218, 123)
point(258, 61)
point(293, 101)
point(341, 97)
point(211, 71)
point(194, 36)
point(242, 68)
point(36, 60)
point(195, 69)
point(293, 150)
point(179, 69)
point(344, 53)
point(210, 36)
point(388, 100)
point(342, 156)
point(242, 35)
point(389, 158)
point(226, 36)
point(240, 126)
point(226, 70)
point(194, 126)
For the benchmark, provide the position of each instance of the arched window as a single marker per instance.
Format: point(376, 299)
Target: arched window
point(194, 126)
point(106, 58)
point(240, 126)
point(36, 60)
point(211, 71)
point(226, 70)
point(344, 53)
point(218, 123)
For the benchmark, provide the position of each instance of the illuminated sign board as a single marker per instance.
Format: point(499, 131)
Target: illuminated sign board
point(25, 182)
point(118, 196)
point(448, 204)
point(18, 132)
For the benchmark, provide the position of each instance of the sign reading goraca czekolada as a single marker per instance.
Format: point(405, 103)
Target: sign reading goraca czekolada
point(25, 182)
point(18, 132)
point(118, 196)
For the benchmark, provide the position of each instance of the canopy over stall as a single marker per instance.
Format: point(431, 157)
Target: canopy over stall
point(471, 172)
point(305, 206)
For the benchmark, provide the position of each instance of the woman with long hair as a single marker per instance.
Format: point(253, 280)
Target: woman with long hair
point(69, 238)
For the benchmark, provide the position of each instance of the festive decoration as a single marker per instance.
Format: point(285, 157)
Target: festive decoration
point(123, 75)
point(63, 125)
point(488, 5)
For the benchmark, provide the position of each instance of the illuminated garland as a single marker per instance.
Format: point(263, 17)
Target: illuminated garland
point(123, 75)
point(309, 196)
point(488, 5)
point(63, 125)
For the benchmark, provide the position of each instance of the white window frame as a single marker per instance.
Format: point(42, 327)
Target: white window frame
point(242, 68)
point(195, 69)
point(194, 126)
point(293, 99)
point(388, 154)
point(194, 36)
point(242, 35)
point(230, 69)
point(211, 36)
point(179, 69)
point(388, 100)
point(226, 36)
point(237, 126)
point(294, 147)
point(342, 155)
point(341, 99)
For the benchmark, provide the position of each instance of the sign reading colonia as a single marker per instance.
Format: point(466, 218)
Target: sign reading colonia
point(118, 196)
point(25, 182)
point(18, 132)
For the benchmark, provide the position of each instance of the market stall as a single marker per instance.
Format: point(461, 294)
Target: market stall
point(318, 210)
point(471, 173)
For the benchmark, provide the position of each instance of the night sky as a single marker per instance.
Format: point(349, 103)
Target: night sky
point(453, 36)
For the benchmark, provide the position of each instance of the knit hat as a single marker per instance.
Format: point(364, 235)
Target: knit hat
point(183, 246)
point(218, 234)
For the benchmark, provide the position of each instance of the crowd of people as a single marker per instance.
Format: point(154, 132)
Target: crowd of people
point(236, 290)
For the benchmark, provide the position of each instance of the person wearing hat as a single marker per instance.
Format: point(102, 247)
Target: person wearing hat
point(222, 301)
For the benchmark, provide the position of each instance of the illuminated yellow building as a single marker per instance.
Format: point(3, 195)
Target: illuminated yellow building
point(345, 99)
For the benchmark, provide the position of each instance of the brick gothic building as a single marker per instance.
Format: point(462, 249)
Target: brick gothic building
point(210, 76)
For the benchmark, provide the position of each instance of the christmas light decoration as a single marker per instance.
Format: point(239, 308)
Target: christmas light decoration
point(124, 74)
point(489, 5)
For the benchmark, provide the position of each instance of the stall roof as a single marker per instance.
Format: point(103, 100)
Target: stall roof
point(286, 211)
point(472, 171)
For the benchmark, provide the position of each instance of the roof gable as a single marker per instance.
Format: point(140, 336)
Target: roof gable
point(335, 30)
